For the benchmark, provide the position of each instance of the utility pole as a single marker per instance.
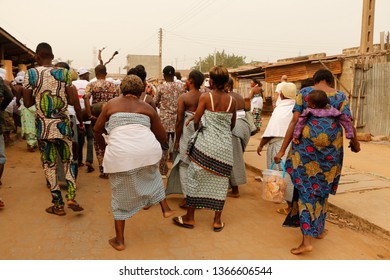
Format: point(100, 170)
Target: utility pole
point(160, 55)
point(367, 35)
point(94, 57)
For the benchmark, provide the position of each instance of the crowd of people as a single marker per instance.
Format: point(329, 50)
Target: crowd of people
point(201, 125)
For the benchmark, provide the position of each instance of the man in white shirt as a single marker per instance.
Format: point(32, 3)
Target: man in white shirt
point(276, 98)
point(81, 84)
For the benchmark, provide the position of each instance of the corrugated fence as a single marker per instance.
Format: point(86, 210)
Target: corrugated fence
point(371, 98)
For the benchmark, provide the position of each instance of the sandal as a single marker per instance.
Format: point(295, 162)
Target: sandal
point(1, 204)
point(72, 204)
point(56, 210)
point(283, 211)
point(179, 222)
point(89, 167)
point(218, 229)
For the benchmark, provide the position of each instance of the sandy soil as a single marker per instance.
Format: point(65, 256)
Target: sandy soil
point(253, 228)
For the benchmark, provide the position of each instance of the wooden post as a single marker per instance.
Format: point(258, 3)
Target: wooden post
point(361, 89)
point(160, 55)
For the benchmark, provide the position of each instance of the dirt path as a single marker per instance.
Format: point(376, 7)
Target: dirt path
point(253, 228)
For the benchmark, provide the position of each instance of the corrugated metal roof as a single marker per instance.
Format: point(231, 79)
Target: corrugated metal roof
point(14, 50)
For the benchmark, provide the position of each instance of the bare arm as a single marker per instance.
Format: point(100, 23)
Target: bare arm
point(200, 109)
point(233, 107)
point(157, 98)
point(179, 121)
point(354, 143)
point(87, 97)
point(151, 102)
point(98, 128)
point(28, 99)
point(157, 128)
point(264, 141)
point(288, 137)
point(17, 90)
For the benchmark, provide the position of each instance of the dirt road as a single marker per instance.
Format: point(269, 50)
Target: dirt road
point(253, 228)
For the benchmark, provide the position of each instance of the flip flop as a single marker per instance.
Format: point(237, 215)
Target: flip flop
point(218, 229)
point(74, 206)
point(283, 211)
point(179, 222)
point(56, 210)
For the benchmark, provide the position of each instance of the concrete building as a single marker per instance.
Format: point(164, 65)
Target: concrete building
point(150, 62)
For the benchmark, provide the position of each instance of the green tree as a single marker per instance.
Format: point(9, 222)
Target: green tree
point(220, 58)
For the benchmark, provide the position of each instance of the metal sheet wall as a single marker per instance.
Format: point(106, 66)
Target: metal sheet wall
point(374, 109)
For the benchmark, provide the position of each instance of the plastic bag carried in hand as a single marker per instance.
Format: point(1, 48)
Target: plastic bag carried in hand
point(274, 184)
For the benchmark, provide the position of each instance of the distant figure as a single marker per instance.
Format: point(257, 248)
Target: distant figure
point(276, 98)
point(241, 135)
point(166, 100)
point(135, 136)
point(205, 88)
point(76, 119)
point(101, 92)
point(81, 85)
point(274, 133)
point(256, 98)
point(139, 71)
point(187, 104)
point(27, 115)
point(50, 88)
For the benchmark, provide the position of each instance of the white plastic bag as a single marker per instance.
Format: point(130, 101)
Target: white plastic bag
point(274, 184)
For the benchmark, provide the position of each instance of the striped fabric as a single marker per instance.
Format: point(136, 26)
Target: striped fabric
point(211, 162)
point(135, 189)
point(139, 187)
point(241, 135)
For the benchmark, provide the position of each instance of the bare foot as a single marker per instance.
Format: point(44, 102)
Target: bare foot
point(323, 234)
point(116, 245)
point(301, 249)
point(147, 207)
point(168, 213)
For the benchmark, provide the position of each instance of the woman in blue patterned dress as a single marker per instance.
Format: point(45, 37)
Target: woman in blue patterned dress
point(211, 154)
point(315, 163)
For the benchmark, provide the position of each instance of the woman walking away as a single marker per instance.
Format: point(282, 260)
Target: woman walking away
point(256, 97)
point(315, 162)
point(132, 155)
point(211, 152)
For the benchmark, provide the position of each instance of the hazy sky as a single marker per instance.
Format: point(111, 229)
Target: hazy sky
point(260, 30)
